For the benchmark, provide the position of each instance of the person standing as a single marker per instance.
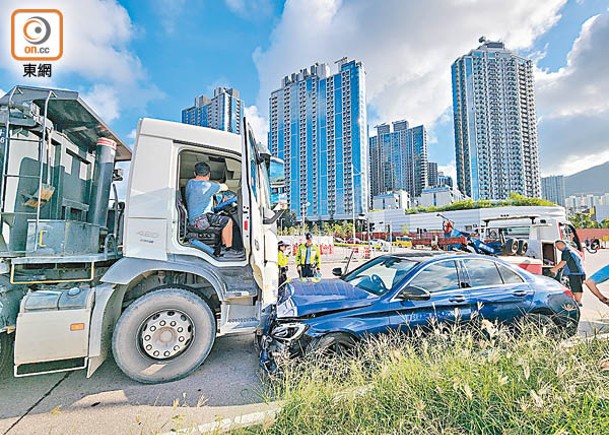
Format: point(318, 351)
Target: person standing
point(308, 258)
point(573, 266)
point(598, 277)
point(282, 263)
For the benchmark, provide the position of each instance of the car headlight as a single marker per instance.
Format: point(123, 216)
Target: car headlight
point(289, 331)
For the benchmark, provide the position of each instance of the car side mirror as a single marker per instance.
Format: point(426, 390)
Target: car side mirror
point(413, 293)
point(337, 271)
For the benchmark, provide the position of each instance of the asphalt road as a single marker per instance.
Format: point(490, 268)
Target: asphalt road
point(227, 385)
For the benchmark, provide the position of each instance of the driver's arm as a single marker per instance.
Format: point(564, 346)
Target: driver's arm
point(223, 186)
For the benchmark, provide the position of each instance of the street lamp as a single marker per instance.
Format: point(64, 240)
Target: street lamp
point(304, 214)
point(353, 174)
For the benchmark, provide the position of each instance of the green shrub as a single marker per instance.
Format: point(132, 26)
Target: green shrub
point(453, 383)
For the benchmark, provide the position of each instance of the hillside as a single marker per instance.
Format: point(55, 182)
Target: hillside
point(594, 180)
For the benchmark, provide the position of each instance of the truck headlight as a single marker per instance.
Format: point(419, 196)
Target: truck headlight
point(289, 331)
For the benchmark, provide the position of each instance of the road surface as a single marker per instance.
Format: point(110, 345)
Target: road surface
point(227, 385)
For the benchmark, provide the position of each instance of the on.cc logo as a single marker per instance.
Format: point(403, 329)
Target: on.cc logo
point(36, 30)
point(37, 34)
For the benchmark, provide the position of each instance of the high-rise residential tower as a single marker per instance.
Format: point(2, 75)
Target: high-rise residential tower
point(318, 127)
point(432, 174)
point(495, 123)
point(222, 112)
point(398, 159)
point(553, 189)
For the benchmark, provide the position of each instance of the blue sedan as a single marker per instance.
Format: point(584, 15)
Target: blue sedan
point(406, 291)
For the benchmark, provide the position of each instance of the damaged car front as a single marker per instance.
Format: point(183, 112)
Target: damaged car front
point(304, 312)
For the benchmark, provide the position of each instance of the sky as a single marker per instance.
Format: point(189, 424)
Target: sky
point(131, 59)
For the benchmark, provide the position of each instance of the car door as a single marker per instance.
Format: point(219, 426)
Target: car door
point(498, 292)
point(449, 300)
point(253, 202)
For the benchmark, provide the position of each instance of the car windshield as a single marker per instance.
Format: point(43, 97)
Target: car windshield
point(380, 275)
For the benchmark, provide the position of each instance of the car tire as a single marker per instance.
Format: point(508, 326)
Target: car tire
point(6, 354)
point(333, 344)
point(150, 351)
point(539, 322)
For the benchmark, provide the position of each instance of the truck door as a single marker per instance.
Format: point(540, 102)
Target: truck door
point(253, 203)
point(569, 234)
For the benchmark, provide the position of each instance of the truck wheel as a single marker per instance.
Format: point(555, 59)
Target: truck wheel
point(6, 347)
point(523, 247)
point(510, 247)
point(163, 336)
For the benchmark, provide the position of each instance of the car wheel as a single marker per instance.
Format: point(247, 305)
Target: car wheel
point(163, 336)
point(6, 353)
point(333, 344)
point(541, 323)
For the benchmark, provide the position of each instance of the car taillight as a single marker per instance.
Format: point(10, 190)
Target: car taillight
point(568, 293)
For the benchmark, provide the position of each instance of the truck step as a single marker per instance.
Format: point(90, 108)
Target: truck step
point(240, 326)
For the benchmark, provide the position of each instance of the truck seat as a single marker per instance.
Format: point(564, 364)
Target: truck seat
point(210, 237)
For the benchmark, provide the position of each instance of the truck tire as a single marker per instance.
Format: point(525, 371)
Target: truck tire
point(164, 336)
point(6, 353)
point(523, 247)
point(510, 247)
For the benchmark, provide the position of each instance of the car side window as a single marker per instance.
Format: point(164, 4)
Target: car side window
point(438, 277)
point(509, 276)
point(482, 273)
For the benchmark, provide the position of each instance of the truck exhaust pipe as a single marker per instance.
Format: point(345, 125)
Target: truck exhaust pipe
point(102, 181)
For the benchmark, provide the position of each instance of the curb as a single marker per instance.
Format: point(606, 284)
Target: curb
point(227, 424)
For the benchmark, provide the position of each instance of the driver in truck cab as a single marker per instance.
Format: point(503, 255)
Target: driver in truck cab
point(199, 199)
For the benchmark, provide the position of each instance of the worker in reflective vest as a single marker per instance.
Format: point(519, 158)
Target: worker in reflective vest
point(308, 258)
point(282, 263)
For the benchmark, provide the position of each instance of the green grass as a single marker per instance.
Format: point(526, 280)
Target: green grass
point(453, 383)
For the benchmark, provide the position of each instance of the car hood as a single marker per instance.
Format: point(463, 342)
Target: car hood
point(302, 297)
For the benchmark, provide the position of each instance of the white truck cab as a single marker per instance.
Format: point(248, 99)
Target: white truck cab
point(161, 258)
point(80, 278)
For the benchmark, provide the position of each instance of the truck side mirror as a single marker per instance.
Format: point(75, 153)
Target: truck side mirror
point(277, 173)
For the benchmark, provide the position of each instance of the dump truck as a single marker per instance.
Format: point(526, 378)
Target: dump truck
point(84, 273)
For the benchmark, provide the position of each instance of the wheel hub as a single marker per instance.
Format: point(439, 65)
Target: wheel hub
point(166, 334)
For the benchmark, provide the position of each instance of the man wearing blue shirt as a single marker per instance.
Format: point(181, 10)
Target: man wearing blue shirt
point(573, 266)
point(199, 199)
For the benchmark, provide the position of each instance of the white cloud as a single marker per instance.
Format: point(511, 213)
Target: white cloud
point(258, 123)
point(169, 13)
point(576, 88)
point(104, 101)
point(451, 170)
point(407, 47)
point(573, 104)
point(97, 34)
point(250, 9)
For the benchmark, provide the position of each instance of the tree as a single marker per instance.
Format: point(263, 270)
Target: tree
point(605, 223)
point(326, 229)
point(583, 220)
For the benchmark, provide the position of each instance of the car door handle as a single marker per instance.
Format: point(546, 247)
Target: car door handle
point(519, 292)
point(457, 299)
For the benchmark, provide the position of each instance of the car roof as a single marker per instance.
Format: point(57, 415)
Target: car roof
point(423, 256)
